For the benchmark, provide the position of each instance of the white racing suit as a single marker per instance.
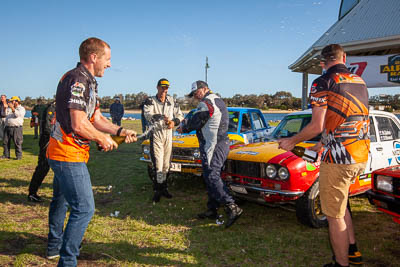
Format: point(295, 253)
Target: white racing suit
point(161, 140)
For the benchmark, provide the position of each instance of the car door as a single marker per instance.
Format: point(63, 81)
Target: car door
point(386, 151)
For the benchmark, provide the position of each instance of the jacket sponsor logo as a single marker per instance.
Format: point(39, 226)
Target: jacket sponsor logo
point(313, 88)
point(252, 153)
point(77, 101)
point(392, 69)
point(317, 99)
point(178, 141)
point(77, 89)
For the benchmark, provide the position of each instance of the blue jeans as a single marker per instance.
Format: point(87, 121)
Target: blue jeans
point(71, 187)
point(217, 191)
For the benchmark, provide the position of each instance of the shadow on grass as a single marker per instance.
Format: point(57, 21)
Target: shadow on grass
point(16, 243)
point(14, 182)
point(18, 199)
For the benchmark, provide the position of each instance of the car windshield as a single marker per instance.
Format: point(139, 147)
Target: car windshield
point(291, 125)
point(233, 121)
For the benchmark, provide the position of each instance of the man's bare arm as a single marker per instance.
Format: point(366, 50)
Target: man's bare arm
point(101, 123)
point(82, 126)
point(312, 129)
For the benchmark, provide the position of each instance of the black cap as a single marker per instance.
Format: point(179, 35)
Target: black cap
point(163, 82)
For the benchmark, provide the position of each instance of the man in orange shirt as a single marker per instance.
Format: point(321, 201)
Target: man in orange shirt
point(339, 101)
point(78, 122)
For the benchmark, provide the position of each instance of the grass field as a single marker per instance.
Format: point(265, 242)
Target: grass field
point(168, 233)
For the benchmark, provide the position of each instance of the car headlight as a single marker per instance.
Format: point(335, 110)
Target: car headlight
point(271, 171)
point(384, 183)
point(283, 173)
point(196, 153)
point(146, 150)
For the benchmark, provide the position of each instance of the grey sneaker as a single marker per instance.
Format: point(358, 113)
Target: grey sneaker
point(34, 198)
point(50, 256)
point(233, 213)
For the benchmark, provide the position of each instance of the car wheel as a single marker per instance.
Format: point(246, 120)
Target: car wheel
point(308, 208)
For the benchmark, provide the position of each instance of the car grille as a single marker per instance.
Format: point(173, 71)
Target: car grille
point(182, 153)
point(245, 168)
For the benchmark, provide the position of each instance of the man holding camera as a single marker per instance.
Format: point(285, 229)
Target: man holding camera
point(3, 107)
point(13, 131)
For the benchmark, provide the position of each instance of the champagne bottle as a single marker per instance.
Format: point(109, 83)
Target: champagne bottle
point(117, 139)
point(305, 154)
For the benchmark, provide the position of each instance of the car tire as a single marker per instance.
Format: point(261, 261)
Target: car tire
point(308, 208)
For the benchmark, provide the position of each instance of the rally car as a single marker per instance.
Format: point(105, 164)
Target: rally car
point(385, 192)
point(264, 173)
point(246, 125)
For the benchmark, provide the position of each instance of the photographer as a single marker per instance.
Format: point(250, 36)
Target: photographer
point(3, 107)
point(14, 121)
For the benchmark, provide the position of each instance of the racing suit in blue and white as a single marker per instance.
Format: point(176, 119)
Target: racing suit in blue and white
point(211, 120)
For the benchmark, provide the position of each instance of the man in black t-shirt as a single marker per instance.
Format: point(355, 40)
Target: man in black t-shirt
point(42, 167)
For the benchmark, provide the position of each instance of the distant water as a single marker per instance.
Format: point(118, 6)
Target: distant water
point(268, 116)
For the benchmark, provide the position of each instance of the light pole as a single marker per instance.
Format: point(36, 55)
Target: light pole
point(207, 67)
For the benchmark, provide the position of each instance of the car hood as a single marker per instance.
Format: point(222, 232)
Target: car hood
point(261, 152)
point(190, 140)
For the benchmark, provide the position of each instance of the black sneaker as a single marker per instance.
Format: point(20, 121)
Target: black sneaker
point(355, 258)
point(165, 193)
point(34, 198)
point(208, 214)
point(233, 213)
point(4, 157)
point(156, 196)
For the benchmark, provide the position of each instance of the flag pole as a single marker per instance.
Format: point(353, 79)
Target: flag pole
point(207, 67)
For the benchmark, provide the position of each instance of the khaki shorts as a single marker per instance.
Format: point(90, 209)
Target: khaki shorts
point(334, 183)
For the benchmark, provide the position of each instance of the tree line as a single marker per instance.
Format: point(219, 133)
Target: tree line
point(279, 100)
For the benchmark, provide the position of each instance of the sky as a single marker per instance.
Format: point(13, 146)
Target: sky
point(249, 44)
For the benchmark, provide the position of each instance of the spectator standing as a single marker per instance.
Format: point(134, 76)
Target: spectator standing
point(117, 111)
point(3, 107)
point(338, 98)
point(37, 114)
point(211, 121)
point(42, 168)
point(14, 128)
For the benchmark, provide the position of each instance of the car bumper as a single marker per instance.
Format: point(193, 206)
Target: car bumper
point(186, 167)
point(388, 204)
point(263, 195)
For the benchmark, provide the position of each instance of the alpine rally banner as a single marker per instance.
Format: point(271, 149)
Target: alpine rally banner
point(377, 71)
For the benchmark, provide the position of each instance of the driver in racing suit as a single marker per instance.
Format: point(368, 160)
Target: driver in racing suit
point(165, 107)
point(211, 120)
